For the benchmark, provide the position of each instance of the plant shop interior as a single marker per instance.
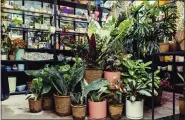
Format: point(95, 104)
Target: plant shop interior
point(92, 59)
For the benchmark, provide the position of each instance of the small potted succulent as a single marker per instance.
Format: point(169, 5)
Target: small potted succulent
point(78, 106)
point(35, 101)
point(137, 84)
point(115, 104)
point(111, 70)
point(97, 104)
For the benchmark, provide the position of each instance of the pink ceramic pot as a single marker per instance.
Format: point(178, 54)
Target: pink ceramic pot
point(112, 77)
point(97, 110)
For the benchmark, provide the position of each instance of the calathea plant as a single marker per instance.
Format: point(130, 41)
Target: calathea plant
point(111, 63)
point(137, 79)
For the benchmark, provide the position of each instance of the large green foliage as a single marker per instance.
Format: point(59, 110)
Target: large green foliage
point(137, 78)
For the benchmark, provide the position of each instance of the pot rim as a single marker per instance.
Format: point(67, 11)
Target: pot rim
point(111, 72)
point(181, 97)
point(62, 96)
point(31, 99)
point(93, 69)
point(104, 100)
point(80, 106)
point(116, 105)
point(164, 43)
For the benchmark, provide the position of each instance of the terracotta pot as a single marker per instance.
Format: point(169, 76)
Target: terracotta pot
point(181, 105)
point(115, 111)
point(97, 110)
point(112, 77)
point(47, 103)
point(35, 106)
point(164, 47)
point(78, 112)
point(12, 57)
point(29, 84)
point(62, 105)
point(93, 74)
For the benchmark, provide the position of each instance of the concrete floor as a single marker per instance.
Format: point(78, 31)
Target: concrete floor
point(16, 107)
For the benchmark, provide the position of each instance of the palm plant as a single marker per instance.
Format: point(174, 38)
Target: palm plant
point(138, 79)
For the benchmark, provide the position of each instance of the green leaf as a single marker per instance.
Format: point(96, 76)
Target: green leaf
point(46, 89)
point(145, 93)
point(133, 98)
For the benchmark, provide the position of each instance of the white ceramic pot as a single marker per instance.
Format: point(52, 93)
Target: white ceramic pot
point(12, 84)
point(3, 57)
point(134, 110)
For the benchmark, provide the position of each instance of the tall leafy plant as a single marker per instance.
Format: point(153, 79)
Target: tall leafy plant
point(137, 78)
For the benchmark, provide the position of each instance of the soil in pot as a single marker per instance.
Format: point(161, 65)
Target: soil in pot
point(93, 74)
point(112, 77)
point(78, 112)
point(62, 105)
point(35, 106)
point(97, 110)
point(182, 105)
point(164, 47)
point(115, 111)
point(47, 103)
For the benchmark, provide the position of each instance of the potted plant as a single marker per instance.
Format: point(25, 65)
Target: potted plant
point(111, 72)
point(179, 36)
point(47, 99)
point(64, 79)
point(115, 104)
point(5, 43)
point(102, 41)
point(137, 84)
point(35, 102)
point(18, 46)
point(97, 104)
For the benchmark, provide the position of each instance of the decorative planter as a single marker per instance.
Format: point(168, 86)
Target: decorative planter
point(115, 111)
point(47, 103)
point(112, 77)
point(12, 57)
point(97, 110)
point(35, 106)
point(92, 74)
point(12, 84)
point(62, 105)
point(181, 105)
point(164, 47)
point(19, 54)
point(78, 112)
point(3, 57)
point(134, 110)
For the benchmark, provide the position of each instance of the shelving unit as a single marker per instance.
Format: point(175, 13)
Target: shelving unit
point(55, 20)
